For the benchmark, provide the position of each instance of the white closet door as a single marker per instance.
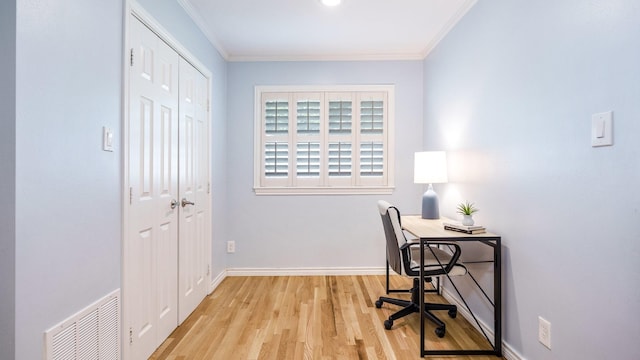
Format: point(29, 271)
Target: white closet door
point(151, 247)
point(194, 193)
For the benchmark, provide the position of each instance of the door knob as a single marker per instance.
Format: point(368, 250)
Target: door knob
point(186, 202)
point(174, 203)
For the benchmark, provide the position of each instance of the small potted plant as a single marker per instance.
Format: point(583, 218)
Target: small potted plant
point(466, 209)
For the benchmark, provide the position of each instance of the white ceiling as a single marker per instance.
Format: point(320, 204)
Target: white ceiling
point(262, 30)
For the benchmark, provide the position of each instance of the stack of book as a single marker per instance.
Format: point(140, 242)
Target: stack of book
point(456, 226)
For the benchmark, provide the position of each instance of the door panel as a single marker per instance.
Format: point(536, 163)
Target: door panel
point(194, 169)
point(143, 322)
point(202, 185)
point(152, 241)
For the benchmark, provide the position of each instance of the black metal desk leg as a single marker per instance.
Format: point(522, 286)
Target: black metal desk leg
point(497, 297)
point(421, 297)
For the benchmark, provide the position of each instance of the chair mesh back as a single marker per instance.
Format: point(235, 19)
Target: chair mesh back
point(393, 234)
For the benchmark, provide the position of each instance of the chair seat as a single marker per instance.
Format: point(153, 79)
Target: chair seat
point(431, 263)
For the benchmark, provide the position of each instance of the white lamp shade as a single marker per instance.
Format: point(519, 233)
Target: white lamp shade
point(430, 167)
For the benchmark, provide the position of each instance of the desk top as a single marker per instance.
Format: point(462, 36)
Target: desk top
point(434, 229)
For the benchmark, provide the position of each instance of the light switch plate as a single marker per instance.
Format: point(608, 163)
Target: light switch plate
point(602, 129)
point(107, 139)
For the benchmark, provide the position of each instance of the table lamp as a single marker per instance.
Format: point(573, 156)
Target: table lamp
point(430, 167)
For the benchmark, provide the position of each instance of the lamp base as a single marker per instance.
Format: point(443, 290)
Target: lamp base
point(430, 207)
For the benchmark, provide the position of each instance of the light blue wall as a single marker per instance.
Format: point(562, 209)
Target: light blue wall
point(7, 176)
point(68, 223)
point(68, 191)
point(510, 93)
point(315, 231)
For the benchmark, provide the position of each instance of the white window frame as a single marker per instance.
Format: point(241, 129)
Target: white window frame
point(355, 184)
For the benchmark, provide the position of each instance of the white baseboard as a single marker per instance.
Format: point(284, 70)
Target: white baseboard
point(306, 271)
point(215, 282)
point(507, 351)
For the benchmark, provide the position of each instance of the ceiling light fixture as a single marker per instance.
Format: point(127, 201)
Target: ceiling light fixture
point(330, 2)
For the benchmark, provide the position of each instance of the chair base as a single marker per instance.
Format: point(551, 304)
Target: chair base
point(413, 306)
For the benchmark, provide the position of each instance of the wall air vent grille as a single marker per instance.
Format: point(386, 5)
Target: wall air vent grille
point(92, 333)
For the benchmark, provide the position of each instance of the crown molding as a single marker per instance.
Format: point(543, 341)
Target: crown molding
point(330, 57)
point(447, 28)
point(201, 24)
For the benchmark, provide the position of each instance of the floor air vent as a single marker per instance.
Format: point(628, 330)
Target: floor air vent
point(92, 333)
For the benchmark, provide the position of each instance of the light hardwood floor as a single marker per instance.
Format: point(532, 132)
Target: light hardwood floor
point(309, 317)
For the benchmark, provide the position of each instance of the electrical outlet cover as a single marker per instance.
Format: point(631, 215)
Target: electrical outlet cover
point(544, 332)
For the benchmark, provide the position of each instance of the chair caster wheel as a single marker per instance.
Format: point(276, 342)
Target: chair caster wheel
point(378, 304)
point(453, 313)
point(440, 332)
point(388, 324)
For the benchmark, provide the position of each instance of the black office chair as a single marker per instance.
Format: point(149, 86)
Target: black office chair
point(404, 258)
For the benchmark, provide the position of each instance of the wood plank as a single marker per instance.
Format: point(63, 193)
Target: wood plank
point(309, 317)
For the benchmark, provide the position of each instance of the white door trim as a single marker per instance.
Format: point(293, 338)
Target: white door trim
point(132, 7)
point(138, 11)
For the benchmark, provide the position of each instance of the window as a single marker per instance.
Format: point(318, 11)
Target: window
point(335, 140)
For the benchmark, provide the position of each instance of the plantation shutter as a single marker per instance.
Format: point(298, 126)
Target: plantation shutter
point(308, 139)
point(340, 139)
point(276, 148)
point(372, 133)
point(333, 140)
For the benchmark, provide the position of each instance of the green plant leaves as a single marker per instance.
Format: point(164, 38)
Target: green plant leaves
point(466, 208)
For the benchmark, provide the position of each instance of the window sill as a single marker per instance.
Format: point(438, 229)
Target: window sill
point(364, 190)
